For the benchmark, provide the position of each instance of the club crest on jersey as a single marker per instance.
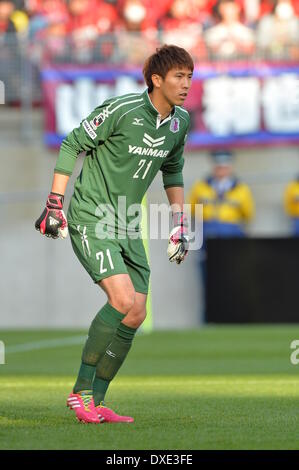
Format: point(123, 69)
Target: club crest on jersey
point(175, 125)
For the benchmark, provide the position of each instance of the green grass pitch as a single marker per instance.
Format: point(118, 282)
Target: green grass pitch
point(224, 387)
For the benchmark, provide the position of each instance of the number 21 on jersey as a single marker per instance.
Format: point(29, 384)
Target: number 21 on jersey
point(141, 164)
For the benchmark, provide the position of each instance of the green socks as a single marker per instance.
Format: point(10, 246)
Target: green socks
point(105, 350)
point(111, 361)
point(85, 378)
point(100, 334)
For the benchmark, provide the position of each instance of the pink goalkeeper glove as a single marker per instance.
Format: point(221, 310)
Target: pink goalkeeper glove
point(178, 242)
point(52, 222)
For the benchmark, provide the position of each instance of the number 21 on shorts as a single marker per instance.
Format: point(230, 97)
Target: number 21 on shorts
point(100, 256)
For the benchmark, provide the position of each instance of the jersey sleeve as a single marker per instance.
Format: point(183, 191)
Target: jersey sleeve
point(172, 168)
point(93, 130)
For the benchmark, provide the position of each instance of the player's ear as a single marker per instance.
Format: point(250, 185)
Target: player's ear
point(157, 80)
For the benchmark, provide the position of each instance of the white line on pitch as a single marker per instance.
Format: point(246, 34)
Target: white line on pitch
point(46, 344)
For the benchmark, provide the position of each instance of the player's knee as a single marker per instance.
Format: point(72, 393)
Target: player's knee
point(141, 317)
point(123, 301)
point(136, 318)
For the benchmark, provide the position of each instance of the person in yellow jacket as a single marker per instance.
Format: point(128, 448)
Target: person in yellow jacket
point(227, 202)
point(227, 206)
point(291, 204)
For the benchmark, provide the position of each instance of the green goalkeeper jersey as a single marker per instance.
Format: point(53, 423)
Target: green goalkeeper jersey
point(126, 144)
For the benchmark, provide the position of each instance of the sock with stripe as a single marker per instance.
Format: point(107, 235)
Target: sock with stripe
point(112, 360)
point(100, 334)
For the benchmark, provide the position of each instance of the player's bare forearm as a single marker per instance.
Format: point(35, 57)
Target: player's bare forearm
point(59, 183)
point(178, 237)
point(175, 195)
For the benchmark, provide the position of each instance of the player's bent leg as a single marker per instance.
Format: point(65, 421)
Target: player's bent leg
point(120, 289)
point(121, 296)
point(114, 357)
point(120, 293)
point(101, 331)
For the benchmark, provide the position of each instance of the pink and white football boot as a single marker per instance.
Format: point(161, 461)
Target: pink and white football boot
point(106, 415)
point(83, 405)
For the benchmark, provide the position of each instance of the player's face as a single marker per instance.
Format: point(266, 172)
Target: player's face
point(176, 85)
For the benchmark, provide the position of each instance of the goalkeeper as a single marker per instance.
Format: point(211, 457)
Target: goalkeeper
point(127, 140)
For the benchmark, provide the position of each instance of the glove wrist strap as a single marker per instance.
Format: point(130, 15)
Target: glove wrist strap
point(55, 201)
point(180, 219)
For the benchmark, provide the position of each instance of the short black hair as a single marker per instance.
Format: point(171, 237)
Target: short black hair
point(164, 59)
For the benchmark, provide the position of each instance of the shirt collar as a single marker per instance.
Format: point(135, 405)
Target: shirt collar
point(149, 105)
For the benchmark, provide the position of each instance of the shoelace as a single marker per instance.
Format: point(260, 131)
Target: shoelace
point(87, 400)
point(101, 405)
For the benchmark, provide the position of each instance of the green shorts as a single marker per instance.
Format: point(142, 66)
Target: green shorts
point(106, 257)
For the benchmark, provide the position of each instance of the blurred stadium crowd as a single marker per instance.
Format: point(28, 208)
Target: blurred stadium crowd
point(118, 31)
